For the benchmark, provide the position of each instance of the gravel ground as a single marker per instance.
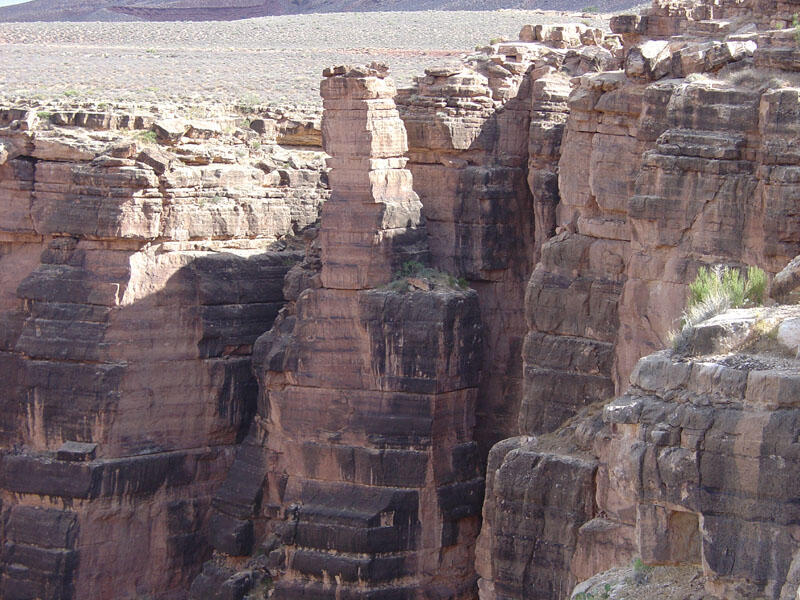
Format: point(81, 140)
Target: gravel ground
point(274, 60)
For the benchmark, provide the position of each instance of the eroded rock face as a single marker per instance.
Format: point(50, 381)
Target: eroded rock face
point(694, 465)
point(554, 493)
point(135, 280)
point(577, 180)
point(372, 223)
point(711, 446)
point(484, 146)
point(361, 466)
point(658, 174)
point(681, 173)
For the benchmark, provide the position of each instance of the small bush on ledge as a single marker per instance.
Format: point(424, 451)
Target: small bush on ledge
point(730, 284)
point(415, 275)
point(716, 290)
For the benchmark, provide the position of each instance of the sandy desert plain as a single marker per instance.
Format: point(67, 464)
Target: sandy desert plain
point(271, 60)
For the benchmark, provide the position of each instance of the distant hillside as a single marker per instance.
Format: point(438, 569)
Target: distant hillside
point(228, 10)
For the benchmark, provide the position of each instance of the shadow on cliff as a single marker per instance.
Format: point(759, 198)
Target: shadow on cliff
point(163, 385)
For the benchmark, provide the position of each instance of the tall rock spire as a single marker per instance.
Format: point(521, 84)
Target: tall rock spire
point(373, 221)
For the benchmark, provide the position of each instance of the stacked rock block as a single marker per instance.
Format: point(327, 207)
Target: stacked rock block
point(369, 394)
point(702, 466)
point(372, 222)
point(680, 174)
point(537, 498)
point(695, 465)
point(571, 301)
point(673, 18)
point(135, 280)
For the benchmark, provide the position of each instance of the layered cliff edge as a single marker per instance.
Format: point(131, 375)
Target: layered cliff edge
point(575, 180)
point(142, 255)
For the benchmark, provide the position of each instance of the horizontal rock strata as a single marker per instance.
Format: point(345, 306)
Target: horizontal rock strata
point(660, 171)
point(484, 146)
point(156, 441)
point(140, 259)
point(368, 477)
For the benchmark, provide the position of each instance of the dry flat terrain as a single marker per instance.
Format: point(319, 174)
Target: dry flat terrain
point(214, 10)
point(275, 60)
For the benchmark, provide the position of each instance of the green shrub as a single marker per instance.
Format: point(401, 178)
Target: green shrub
point(756, 289)
point(591, 596)
point(641, 571)
point(147, 136)
point(413, 268)
point(714, 291)
point(796, 26)
point(728, 283)
point(416, 269)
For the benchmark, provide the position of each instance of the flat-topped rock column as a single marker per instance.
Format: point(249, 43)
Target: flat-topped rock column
point(372, 222)
point(368, 390)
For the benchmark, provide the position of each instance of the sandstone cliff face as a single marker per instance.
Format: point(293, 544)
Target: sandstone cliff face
point(576, 180)
point(692, 466)
point(369, 481)
point(658, 174)
point(484, 143)
point(655, 179)
point(135, 278)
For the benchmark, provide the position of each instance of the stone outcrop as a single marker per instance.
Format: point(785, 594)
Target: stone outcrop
point(537, 498)
point(204, 394)
point(655, 179)
point(660, 171)
point(786, 285)
point(362, 466)
point(136, 277)
point(694, 465)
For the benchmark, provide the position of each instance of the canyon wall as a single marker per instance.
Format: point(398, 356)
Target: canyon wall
point(206, 393)
point(369, 475)
point(136, 275)
point(661, 170)
point(484, 142)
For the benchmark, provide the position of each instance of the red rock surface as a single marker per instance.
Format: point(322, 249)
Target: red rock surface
point(136, 278)
point(576, 180)
point(371, 481)
point(659, 173)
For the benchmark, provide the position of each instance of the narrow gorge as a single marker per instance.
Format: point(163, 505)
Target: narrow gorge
point(417, 345)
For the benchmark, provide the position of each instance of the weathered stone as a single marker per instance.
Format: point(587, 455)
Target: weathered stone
point(530, 557)
point(785, 287)
point(131, 301)
point(76, 451)
point(578, 197)
point(171, 130)
point(362, 462)
point(372, 223)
